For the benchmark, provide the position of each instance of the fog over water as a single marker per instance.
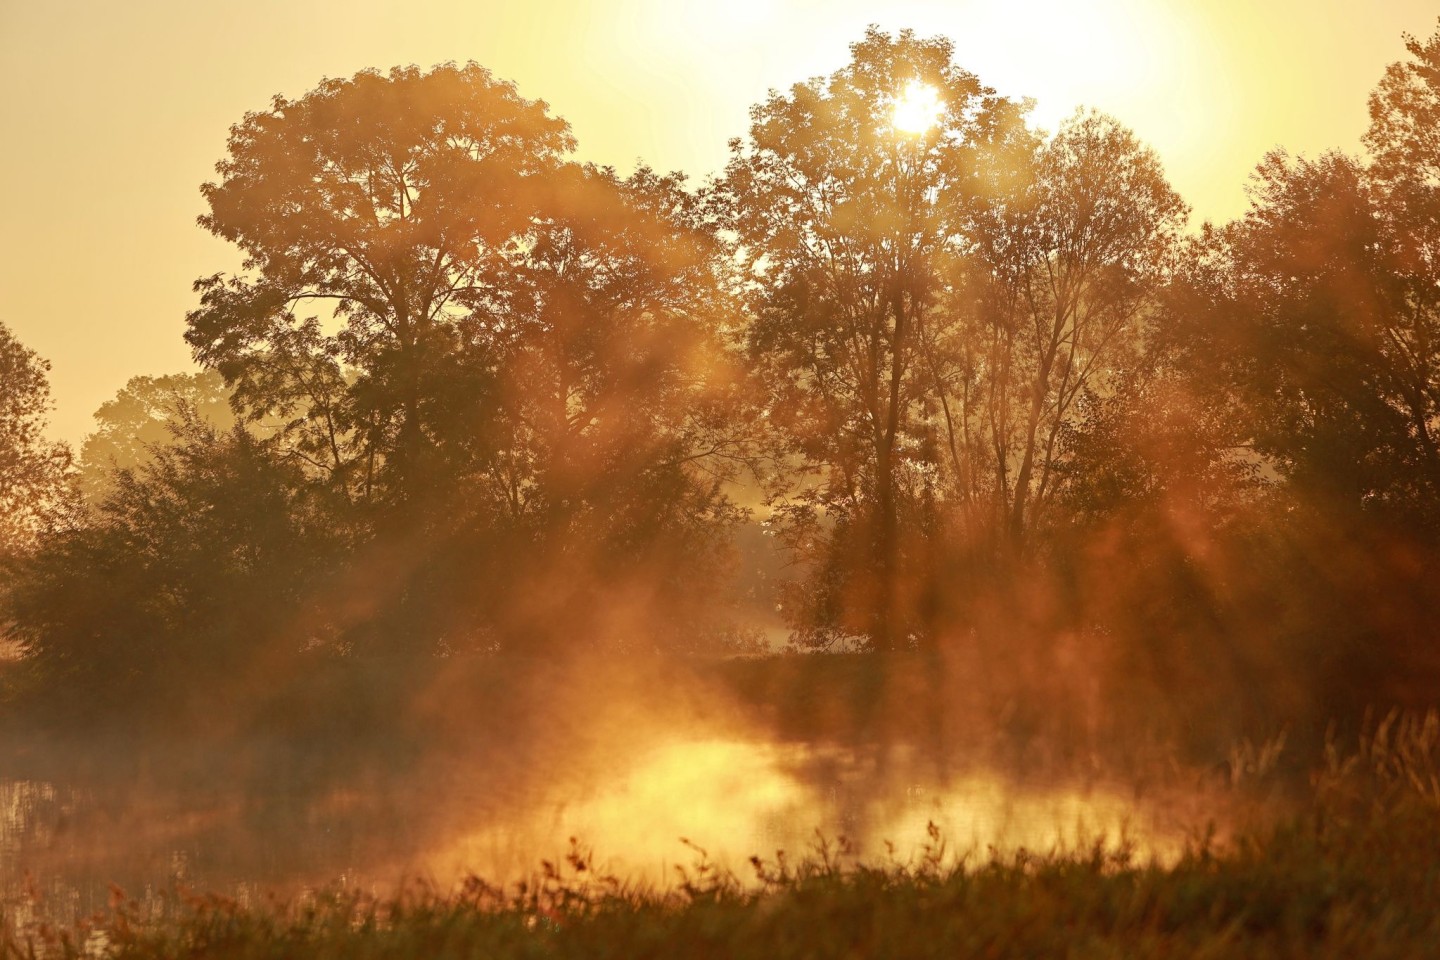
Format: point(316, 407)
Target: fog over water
point(650, 769)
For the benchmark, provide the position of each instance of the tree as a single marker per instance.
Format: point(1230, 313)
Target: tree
point(1312, 312)
point(394, 200)
point(932, 307)
point(181, 587)
point(601, 482)
point(621, 391)
point(524, 384)
point(33, 469)
point(1050, 304)
point(1403, 141)
point(1302, 330)
point(844, 214)
point(149, 412)
point(1405, 172)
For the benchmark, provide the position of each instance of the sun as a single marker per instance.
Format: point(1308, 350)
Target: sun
point(917, 109)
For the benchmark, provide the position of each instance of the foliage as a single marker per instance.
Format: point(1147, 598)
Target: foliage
point(930, 308)
point(621, 406)
point(1053, 309)
point(33, 469)
point(149, 412)
point(392, 199)
point(1309, 321)
point(1404, 150)
point(182, 584)
point(524, 385)
point(844, 217)
point(501, 400)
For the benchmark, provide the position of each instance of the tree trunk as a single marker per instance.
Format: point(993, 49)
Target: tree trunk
point(888, 522)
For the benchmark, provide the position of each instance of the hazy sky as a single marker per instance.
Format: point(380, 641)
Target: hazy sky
point(113, 113)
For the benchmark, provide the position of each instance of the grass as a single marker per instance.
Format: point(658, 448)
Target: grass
point(1352, 870)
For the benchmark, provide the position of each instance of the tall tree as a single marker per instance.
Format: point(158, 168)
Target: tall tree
point(1405, 170)
point(844, 207)
point(524, 372)
point(1403, 141)
point(387, 205)
point(1050, 303)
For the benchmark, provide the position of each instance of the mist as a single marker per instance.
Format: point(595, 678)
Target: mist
point(921, 489)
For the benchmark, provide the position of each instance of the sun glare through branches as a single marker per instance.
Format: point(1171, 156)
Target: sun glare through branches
point(917, 109)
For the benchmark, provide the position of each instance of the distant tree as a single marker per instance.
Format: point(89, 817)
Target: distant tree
point(147, 413)
point(33, 469)
point(844, 215)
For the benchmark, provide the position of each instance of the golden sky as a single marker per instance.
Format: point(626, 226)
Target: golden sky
point(113, 112)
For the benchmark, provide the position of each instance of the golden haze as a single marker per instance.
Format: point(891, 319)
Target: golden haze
point(115, 113)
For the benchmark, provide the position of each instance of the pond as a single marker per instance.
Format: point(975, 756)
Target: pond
point(67, 847)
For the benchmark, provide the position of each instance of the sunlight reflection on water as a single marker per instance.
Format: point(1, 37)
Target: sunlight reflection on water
point(731, 800)
point(61, 848)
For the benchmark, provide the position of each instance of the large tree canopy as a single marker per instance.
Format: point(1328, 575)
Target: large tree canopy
point(487, 349)
point(1309, 310)
point(376, 215)
point(1051, 304)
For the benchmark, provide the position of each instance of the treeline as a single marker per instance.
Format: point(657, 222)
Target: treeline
point(985, 391)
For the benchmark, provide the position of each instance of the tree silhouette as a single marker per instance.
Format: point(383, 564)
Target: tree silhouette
point(1405, 172)
point(930, 307)
point(1403, 141)
point(518, 370)
point(1310, 313)
point(622, 400)
point(844, 216)
point(182, 588)
point(466, 395)
point(1052, 302)
point(387, 204)
point(616, 424)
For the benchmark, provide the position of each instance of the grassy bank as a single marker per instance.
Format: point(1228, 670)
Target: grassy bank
point(1352, 871)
